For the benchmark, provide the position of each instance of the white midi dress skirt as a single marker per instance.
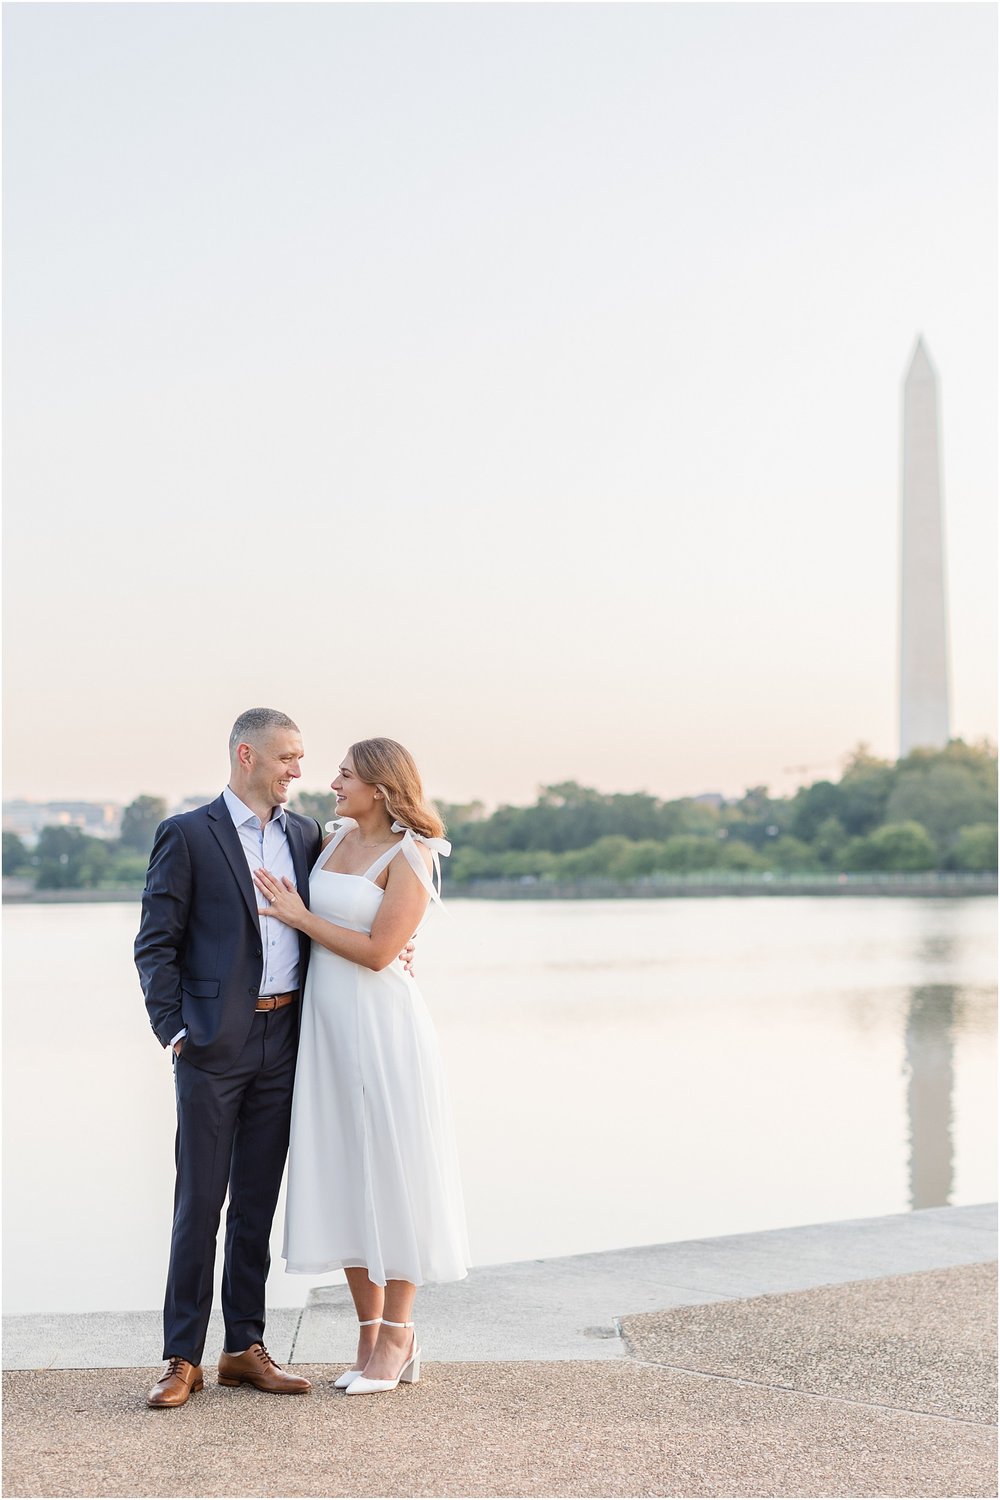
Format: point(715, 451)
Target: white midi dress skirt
point(373, 1175)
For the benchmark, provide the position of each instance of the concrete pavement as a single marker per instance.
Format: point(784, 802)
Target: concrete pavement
point(855, 1358)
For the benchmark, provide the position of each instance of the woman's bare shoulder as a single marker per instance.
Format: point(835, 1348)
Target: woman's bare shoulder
point(425, 853)
point(397, 867)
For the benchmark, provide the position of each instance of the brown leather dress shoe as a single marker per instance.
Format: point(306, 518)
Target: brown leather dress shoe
point(256, 1367)
point(176, 1383)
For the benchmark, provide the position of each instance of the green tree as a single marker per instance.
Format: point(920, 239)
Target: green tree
point(68, 859)
point(976, 848)
point(757, 817)
point(569, 816)
point(864, 791)
point(645, 857)
point(811, 807)
point(685, 853)
point(943, 796)
point(688, 816)
point(980, 759)
point(468, 864)
point(127, 868)
point(15, 855)
point(319, 805)
point(829, 843)
point(788, 853)
point(894, 847)
point(736, 854)
point(518, 863)
point(603, 857)
point(140, 821)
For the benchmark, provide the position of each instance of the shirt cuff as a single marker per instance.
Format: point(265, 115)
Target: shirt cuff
point(183, 1032)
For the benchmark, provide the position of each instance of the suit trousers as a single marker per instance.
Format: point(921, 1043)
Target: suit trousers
point(232, 1132)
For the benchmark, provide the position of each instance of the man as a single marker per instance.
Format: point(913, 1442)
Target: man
point(222, 988)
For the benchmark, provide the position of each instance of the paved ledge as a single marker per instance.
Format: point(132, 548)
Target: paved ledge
point(567, 1308)
point(882, 1387)
point(116, 1340)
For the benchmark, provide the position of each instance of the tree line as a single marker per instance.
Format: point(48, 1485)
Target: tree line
point(67, 859)
point(932, 810)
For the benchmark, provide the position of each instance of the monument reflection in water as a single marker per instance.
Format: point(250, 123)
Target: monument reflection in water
point(930, 1051)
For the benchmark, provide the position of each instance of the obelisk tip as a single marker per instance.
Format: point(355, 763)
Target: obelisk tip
point(920, 367)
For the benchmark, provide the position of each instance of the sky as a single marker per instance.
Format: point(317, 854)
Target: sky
point(523, 382)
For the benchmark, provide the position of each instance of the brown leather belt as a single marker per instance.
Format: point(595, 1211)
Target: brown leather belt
point(275, 1002)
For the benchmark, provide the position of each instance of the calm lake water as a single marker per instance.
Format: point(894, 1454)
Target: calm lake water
point(623, 1072)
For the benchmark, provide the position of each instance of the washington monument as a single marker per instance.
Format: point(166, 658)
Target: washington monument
point(923, 633)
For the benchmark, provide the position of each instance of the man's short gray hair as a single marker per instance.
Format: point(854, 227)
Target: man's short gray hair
point(254, 724)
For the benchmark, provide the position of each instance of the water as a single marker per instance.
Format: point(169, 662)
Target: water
point(622, 1073)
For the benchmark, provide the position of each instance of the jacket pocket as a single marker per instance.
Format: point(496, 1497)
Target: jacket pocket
point(201, 989)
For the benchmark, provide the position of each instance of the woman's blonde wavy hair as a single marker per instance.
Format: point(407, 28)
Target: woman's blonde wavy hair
point(388, 765)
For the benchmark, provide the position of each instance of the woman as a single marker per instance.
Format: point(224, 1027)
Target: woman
point(373, 1183)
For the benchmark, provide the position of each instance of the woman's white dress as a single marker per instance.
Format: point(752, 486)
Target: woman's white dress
point(373, 1174)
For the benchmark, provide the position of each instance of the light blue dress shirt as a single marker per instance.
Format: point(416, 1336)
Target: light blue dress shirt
point(267, 846)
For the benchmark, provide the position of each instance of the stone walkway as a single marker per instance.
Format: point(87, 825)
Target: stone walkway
point(847, 1359)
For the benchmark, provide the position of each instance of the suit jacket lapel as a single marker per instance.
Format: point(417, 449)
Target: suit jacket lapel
point(299, 863)
point(294, 835)
point(225, 831)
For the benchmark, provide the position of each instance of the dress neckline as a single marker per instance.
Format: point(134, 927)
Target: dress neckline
point(378, 865)
point(346, 875)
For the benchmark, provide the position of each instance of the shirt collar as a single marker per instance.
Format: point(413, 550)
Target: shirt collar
point(240, 813)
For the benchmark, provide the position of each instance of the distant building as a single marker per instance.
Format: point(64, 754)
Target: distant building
point(188, 804)
point(101, 820)
point(711, 799)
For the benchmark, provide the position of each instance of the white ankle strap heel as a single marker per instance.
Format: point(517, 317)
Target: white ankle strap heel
point(343, 1381)
point(409, 1374)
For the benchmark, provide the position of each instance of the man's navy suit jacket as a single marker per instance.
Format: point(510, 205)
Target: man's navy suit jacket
point(199, 951)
